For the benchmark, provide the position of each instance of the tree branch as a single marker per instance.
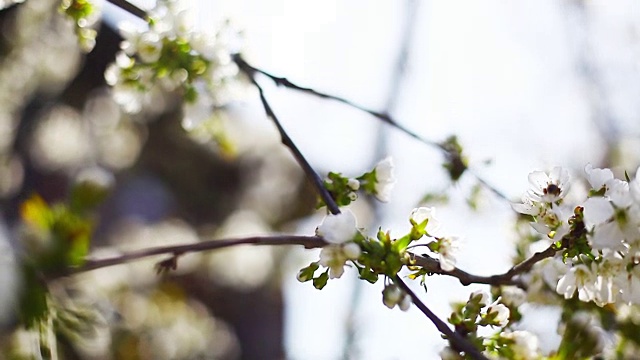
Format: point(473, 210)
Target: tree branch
point(458, 342)
point(507, 278)
point(286, 140)
point(384, 116)
point(308, 242)
point(130, 8)
point(281, 81)
point(431, 265)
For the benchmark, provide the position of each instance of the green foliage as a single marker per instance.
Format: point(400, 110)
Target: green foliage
point(56, 237)
point(455, 162)
point(59, 236)
point(340, 189)
point(435, 198)
point(33, 298)
point(82, 13)
point(321, 281)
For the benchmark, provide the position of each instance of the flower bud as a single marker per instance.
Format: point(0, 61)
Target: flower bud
point(351, 250)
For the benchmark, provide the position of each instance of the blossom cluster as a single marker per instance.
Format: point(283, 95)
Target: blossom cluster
point(599, 235)
point(382, 255)
point(84, 15)
point(477, 312)
point(171, 56)
point(378, 182)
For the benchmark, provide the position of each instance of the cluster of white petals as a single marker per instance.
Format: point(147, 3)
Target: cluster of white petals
point(420, 214)
point(447, 251)
point(385, 179)
point(608, 273)
point(393, 296)
point(543, 200)
point(446, 247)
point(339, 231)
point(525, 345)
point(169, 56)
point(500, 312)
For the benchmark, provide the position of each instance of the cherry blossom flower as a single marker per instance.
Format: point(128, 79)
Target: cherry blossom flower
point(549, 188)
point(338, 229)
point(335, 257)
point(447, 250)
point(385, 179)
point(525, 345)
point(419, 215)
point(392, 295)
point(579, 278)
point(483, 296)
point(513, 296)
point(614, 218)
point(629, 283)
point(500, 312)
point(598, 178)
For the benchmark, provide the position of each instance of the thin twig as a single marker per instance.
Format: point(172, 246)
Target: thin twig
point(308, 242)
point(488, 186)
point(380, 115)
point(465, 278)
point(286, 140)
point(458, 342)
point(130, 8)
point(384, 116)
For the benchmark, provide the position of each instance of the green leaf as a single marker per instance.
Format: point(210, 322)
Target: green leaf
point(435, 198)
point(36, 212)
point(33, 298)
point(400, 245)
point(455, 163)
point(321, 281)
point(306, 274)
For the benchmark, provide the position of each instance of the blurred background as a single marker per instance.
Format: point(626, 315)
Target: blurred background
point(524, 86)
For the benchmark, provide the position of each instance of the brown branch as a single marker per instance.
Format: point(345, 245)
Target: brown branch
point(508, 278)
point(429, 264)
point(457, 341)
point(286, 140)
point(308, 242)
point(281, 81)
point(384, 116)
point(130, 8)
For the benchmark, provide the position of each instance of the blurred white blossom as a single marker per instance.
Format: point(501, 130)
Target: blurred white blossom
point(385, 179)
point(338, 229)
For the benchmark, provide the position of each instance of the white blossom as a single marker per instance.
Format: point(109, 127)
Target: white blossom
point(385, 179)
point(549, 188)
point(513, 296)
point(525, 345)
point(338, 229)
point(629, 283)
point(419, 215)
point(449, 354)
point(353, 184)
point(501, 312)
point(393, 296)
point(528, 207)
point(484, 297)
point(579, 278)
point(351, 250)
point(447, 250)
point(333, 258)
point(598, 178)
point(405, 303)
point(150, 47)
